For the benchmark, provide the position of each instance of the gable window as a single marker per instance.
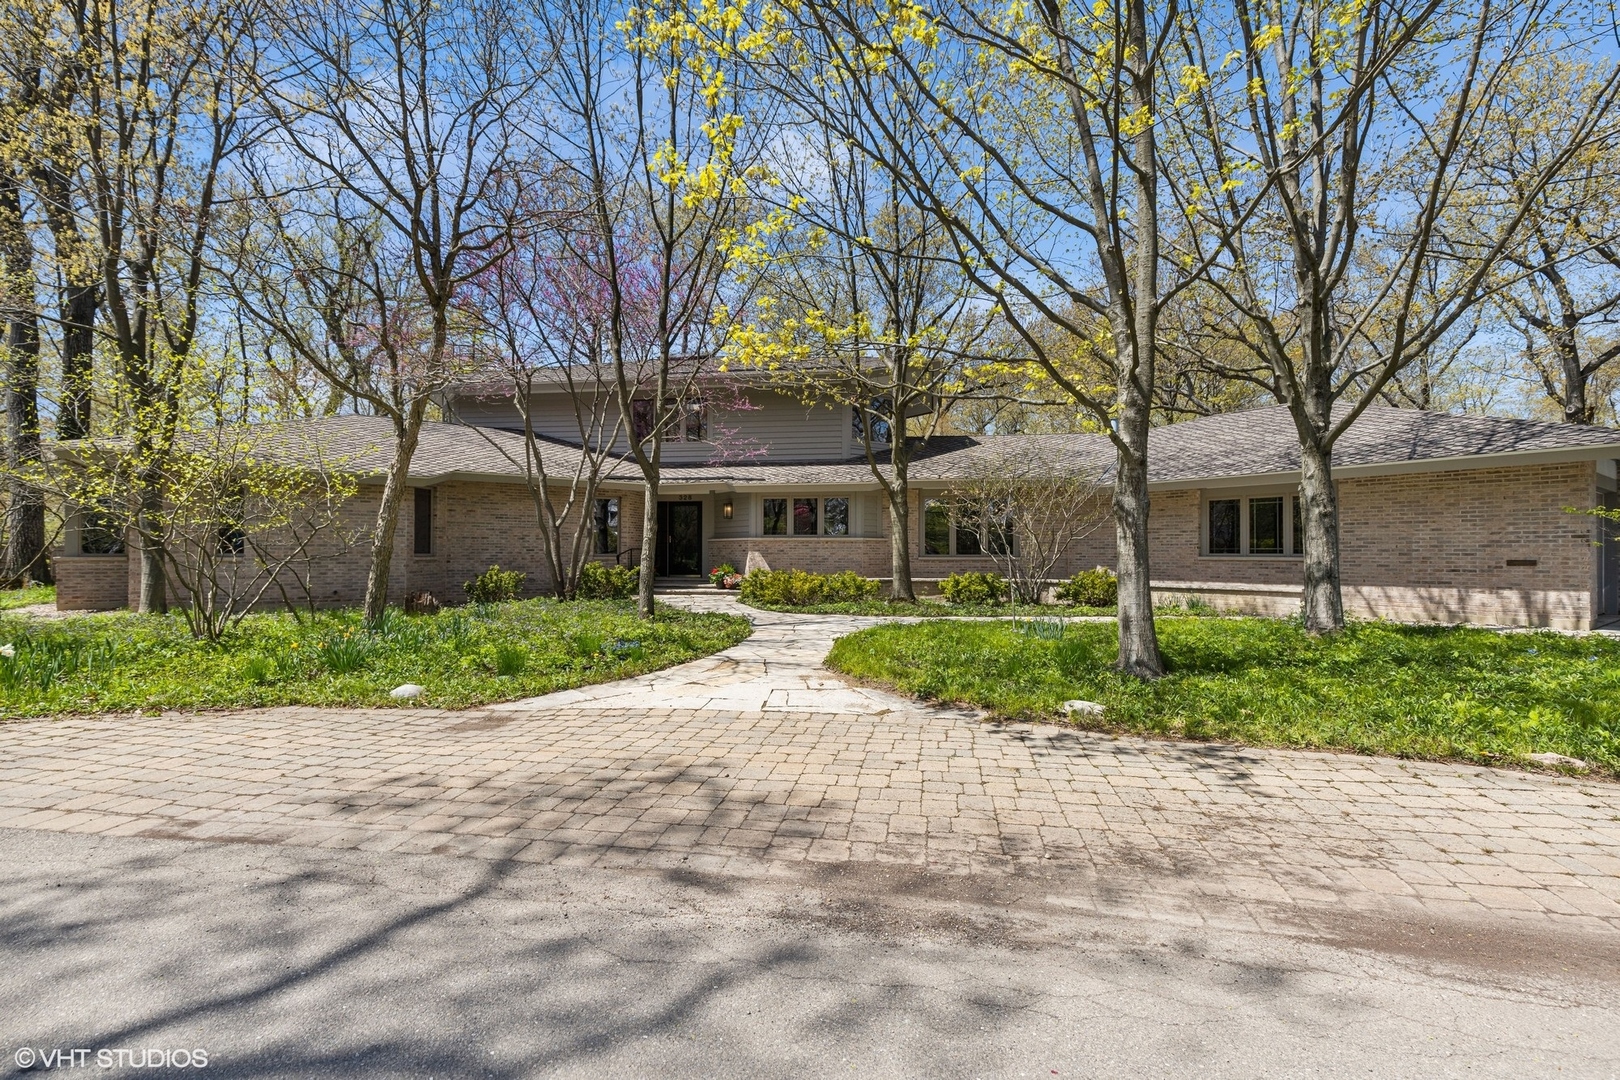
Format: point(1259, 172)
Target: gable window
point(1254, 525)
point(607, 526)
point(422, 522)
point(775, 523)
point(99, 533)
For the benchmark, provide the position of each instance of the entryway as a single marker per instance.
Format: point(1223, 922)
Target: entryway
point(680, 539)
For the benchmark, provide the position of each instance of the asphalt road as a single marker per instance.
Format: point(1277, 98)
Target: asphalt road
point(288, 962)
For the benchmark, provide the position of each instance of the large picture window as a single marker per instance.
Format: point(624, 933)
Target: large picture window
point(607, 526)
point(1254, 525)
point(835, 517)
point(804, 517)
point(947, 532)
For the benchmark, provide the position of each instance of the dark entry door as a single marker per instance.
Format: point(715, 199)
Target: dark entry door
point(680, 539)
point(1609, 556)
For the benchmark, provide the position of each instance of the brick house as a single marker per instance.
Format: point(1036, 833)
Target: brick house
point(1443, 518)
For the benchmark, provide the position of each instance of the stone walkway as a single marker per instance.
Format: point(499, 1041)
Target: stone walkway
point(758, 761)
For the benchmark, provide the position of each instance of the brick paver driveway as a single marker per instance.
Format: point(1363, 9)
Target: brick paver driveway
point(758, 761)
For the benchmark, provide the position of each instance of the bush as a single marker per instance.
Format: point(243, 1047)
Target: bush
point(599, 581)
point(1091, 588)
point(800, 588)
point(974, 587)
point(495, 586)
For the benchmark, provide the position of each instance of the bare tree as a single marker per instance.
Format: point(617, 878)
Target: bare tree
point(1030, 507)
point(544, 309)
point(377, 192)
point(651, 134)
point(1326, 150)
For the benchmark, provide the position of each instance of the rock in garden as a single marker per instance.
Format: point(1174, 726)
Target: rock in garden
point(1083, 708)
point(1560, 761)
point(409, 690)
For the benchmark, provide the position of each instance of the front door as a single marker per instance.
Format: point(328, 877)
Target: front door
point(1609, 559)
point(680, 539)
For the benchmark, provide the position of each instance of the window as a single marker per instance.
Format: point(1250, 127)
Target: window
point(607, 526)
point(804, 517)
point(949, 533)
point(694, 423)
point(936, 529)
point(422, 522)
point(641, 419)
point(775, 517)
point(1266, 526)
point(230, 536)
point(877, 413)
point(1225, 535)
point(1256, 525)
point(835, 517)
point(100, 534)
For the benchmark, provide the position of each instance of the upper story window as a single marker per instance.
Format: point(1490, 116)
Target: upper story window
point(1253, 525)
point(877, 414)
point(690, 422)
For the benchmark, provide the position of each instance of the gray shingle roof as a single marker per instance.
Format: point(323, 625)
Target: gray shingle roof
point(1258, 442)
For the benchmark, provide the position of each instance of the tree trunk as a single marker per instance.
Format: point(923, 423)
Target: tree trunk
point(1319, 514)
point(649, 549)
point(382, 538)
point(1138, 639)
point(154, 592)
point(24, 558)
point(1576, 408)
point(78, 315)
point(900, 544)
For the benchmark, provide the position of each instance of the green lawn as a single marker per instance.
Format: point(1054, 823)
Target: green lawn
point(11, 599)
point(462, 656)
point(1378, 688)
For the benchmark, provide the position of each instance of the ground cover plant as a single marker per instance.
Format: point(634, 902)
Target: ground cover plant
point(929, 608)
point(461, 656)
point(28, 596)
point(1421, 692)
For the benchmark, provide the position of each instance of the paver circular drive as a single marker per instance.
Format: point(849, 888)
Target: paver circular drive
point(757, 758)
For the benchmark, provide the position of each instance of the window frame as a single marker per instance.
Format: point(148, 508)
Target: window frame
point(790, 516)
point(988, 543)
point(418, 523)
point(1291, 542)
point(605, 516)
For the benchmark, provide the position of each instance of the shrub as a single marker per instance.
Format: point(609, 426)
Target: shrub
point(800, 588)
point(495, 586)
point(599, 581)
point(974, 587)
point(1091, 588)
point(720, 573)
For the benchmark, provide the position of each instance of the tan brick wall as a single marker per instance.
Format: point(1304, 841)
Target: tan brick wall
point(1423, 547)
point(91, 582)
